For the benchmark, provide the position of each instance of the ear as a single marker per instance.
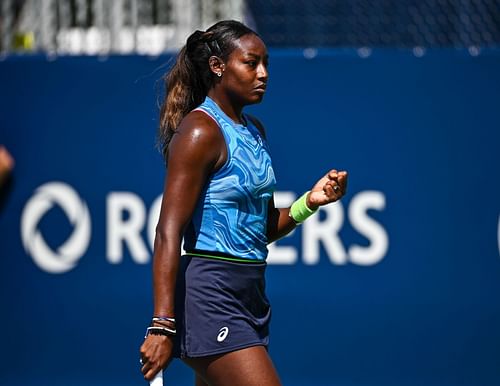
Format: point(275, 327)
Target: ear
point(216, 65)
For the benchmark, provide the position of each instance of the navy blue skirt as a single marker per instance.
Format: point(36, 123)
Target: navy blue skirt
point(221, 306)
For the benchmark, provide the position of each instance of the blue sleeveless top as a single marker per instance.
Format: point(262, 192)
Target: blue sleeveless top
point(231, 214)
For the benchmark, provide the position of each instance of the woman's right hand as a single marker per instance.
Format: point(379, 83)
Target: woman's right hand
point(156, 354)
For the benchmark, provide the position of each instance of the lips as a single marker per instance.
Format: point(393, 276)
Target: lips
point(261, 87)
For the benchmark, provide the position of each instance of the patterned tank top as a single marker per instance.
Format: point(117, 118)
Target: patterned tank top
point(231, 214)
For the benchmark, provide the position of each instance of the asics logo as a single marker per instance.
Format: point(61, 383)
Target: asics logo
point(68, 254)
point(223, 332)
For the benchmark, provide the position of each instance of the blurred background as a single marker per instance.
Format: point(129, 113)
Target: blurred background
point(398, 284)
point(152, 27)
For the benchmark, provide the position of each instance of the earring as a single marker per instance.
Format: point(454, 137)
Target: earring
point(219, 74)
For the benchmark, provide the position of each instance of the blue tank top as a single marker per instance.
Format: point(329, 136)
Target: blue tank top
point(231, 214)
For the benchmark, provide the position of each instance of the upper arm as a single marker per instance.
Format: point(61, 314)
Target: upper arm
point(196, 149)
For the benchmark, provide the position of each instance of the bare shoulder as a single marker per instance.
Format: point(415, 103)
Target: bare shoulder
point(258, 124)
point(198, 140)
point(198, 126)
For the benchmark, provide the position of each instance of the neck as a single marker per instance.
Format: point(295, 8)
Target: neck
point(231, 109)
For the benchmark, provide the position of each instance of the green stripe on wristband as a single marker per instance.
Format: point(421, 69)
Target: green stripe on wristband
point(299, 210)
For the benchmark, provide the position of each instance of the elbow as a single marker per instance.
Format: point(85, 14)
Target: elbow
point(161, 235)
point(164, 236)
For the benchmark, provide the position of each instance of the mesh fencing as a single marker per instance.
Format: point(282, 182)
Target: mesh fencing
point(378, 23)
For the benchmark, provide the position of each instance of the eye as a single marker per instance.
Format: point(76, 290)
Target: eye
point(252, 63)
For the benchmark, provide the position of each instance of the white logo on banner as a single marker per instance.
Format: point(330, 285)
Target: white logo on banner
point(130, 229)
point(68, 254)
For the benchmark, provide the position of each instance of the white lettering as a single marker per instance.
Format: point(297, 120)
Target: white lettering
point(127, 230)
point(126, 226)
point(315, 231)
point(372, 230)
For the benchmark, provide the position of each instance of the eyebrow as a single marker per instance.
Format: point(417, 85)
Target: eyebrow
point(266, 56)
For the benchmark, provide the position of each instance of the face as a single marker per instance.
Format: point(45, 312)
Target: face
point(245, 72)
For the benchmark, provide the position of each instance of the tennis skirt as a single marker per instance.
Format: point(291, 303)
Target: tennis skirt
point(221, 305)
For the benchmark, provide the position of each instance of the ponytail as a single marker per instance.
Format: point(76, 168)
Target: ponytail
point(183, 94)
point(189, 80)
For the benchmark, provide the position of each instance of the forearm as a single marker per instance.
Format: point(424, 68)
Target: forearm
point(279, 224)
point(165, 267)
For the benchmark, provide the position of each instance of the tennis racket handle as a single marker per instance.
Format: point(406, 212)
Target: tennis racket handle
point(158, 379)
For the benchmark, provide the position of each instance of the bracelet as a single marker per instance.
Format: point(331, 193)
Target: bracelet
point(163, 319)
point(299, 210)
point(160, 331)
point(163, 322)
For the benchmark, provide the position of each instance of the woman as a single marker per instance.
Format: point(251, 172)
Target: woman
point(209, 305)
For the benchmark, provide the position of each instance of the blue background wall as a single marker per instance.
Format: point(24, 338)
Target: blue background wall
point(422, 134)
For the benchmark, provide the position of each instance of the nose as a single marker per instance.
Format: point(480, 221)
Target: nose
point(262, 72)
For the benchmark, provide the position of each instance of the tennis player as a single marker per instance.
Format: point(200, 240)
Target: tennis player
point(210, 306)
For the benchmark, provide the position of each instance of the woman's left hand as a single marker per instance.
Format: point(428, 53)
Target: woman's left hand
point(328, 189)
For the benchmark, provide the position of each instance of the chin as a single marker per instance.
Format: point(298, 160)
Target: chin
point(255, 99)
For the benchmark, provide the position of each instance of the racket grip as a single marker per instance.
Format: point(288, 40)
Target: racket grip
point(157, 380)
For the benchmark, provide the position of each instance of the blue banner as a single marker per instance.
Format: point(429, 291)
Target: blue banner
point(398, 284)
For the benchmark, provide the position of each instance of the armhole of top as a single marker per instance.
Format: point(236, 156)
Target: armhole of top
point(257, 125)
point(224, 165)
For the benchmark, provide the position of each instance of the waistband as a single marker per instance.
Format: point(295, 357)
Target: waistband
point(221, 256)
